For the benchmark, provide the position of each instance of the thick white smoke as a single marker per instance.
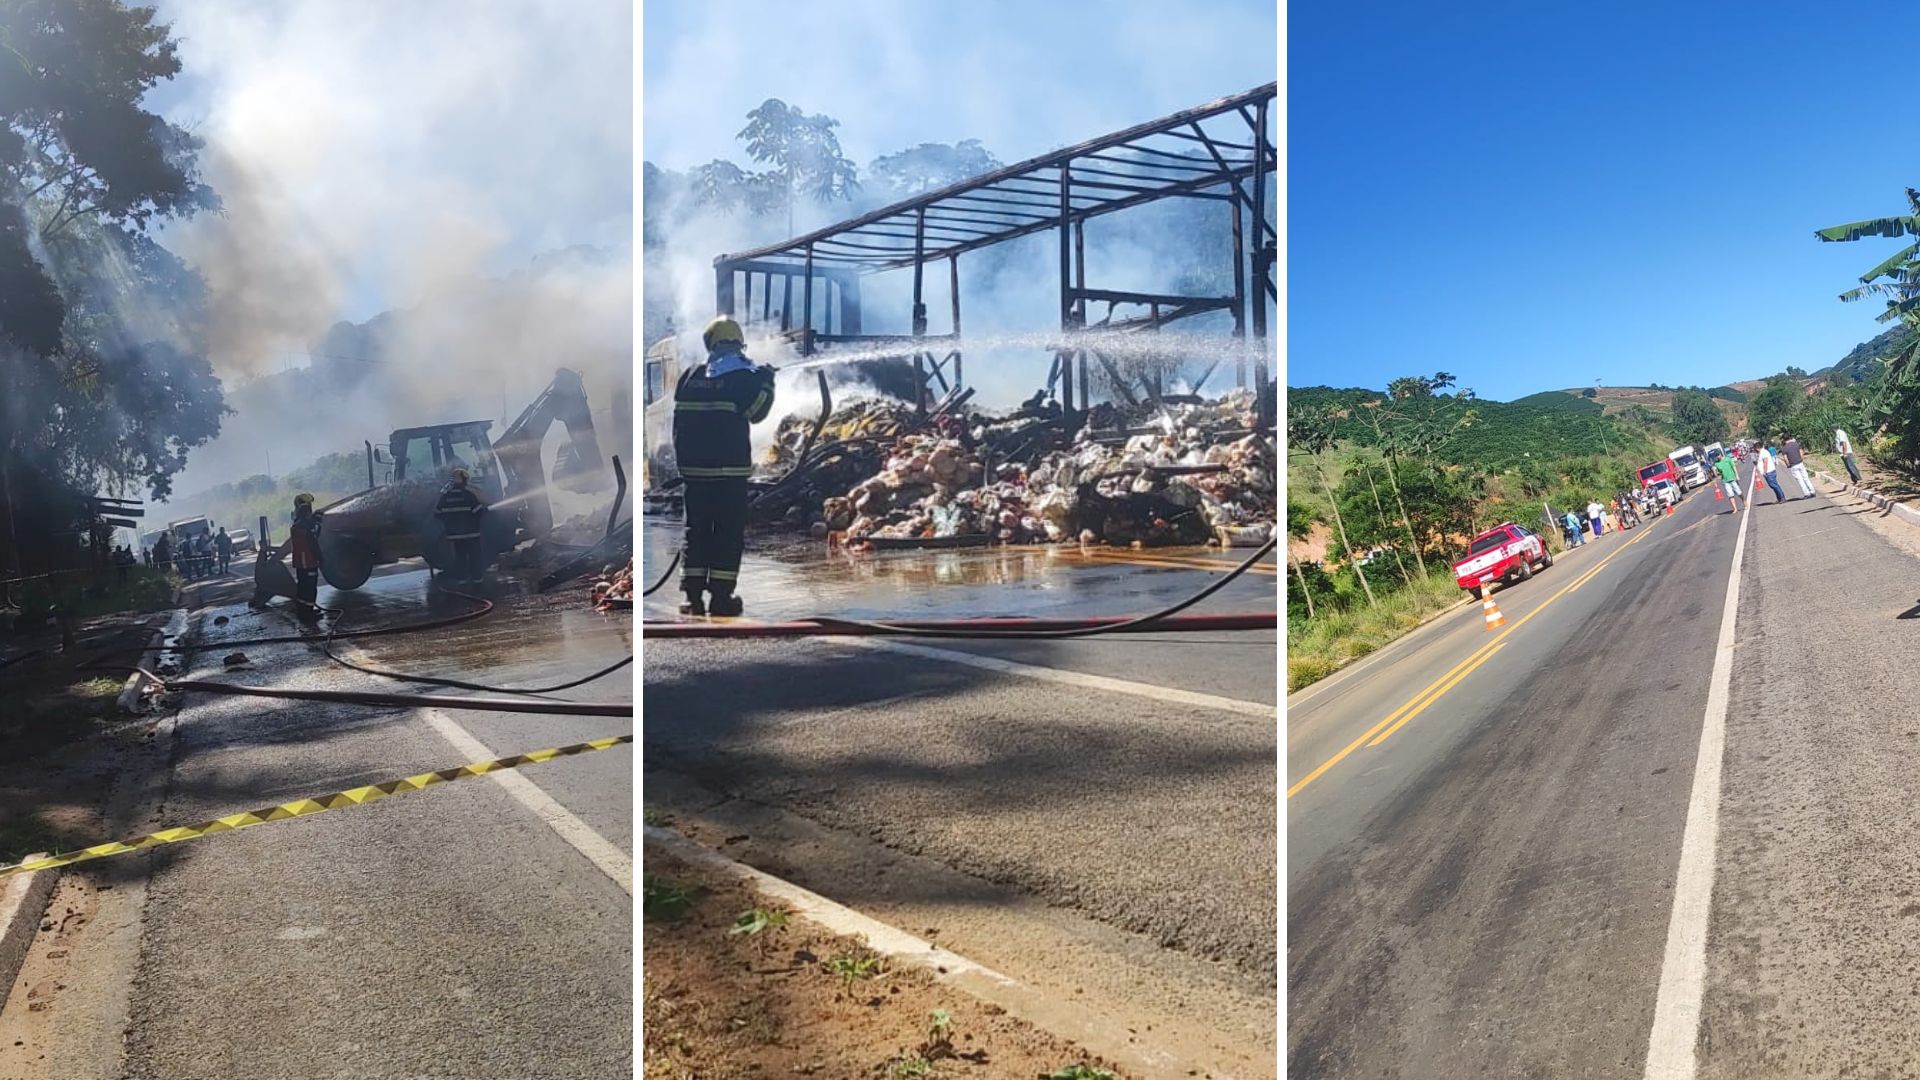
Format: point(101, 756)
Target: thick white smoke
point(439, 160)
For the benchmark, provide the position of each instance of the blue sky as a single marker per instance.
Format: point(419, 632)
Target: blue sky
point(1535, 196)
point(1023, 77)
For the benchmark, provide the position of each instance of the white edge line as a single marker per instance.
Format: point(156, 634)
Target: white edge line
point(1672, 1045)
point(892, 941)
point(601, 852)
point(1074, 678)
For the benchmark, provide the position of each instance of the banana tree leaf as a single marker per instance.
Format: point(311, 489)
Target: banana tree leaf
point(1902, 256)
point(1888, 226)
point(1891, 292)
point(1898, 308)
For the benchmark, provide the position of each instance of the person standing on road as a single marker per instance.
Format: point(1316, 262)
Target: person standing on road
point(459, 510)
point(715, 407)
point(1766, 463)
point(1596, 517)
point(1574, 530)
point(223, 546)
point(1844, 447)
point(303, 551)
point(1797, 466)
point(1729, 479)
point(163, 552)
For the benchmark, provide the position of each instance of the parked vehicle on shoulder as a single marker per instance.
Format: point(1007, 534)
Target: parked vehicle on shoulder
point(1693, 472)
point(1666, 491)
point(242, 539)
point(1503, 553)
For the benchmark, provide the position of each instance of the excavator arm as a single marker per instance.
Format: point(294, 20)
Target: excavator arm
point(580, 467)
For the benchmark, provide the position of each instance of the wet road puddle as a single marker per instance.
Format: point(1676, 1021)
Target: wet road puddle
point(785, 577)
point(525, 633)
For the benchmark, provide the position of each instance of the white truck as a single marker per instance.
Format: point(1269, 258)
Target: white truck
point(1687, 462)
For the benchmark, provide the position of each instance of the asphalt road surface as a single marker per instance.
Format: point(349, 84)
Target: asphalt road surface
point(1127, 780)
point(471, 929)
point(1486, 828)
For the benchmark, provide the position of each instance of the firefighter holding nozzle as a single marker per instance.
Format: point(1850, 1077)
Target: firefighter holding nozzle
point(715, 407)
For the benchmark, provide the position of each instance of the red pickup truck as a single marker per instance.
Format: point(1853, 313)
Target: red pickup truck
point(1505, 552)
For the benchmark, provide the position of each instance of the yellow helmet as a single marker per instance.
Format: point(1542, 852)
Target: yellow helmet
point(722, 329)
point(303, 499)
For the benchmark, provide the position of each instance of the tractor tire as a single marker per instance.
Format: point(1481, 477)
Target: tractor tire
point(346, 564)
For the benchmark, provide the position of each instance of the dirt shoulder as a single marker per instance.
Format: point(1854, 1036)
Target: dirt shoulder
point(791, 999)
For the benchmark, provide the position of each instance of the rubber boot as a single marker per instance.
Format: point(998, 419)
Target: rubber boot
point(692, 605)
point(726, 604)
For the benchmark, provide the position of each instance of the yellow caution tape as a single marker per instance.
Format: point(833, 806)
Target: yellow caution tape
point(318, 804)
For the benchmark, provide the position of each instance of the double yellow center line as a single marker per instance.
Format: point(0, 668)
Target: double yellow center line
point(1397, 719)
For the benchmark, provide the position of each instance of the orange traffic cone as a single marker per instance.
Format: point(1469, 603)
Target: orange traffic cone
point(1495, 620)
point(1669, 509)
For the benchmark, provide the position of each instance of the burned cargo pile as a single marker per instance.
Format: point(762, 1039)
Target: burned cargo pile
point(1179, 473)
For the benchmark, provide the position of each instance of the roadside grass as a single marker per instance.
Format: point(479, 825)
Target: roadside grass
point(25, 835)
point(146, 590)
point(1332, 639)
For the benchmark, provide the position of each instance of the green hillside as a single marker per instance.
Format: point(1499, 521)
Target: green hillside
point(1559, 401)
point(1500, 436)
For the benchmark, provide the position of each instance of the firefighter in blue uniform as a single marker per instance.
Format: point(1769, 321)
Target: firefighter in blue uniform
point(715, 406)
point(459, 510)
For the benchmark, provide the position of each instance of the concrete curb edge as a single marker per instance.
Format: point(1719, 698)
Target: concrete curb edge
point(1883, 502)
point(23, 900)
point(1021, 1001)
point(129, 700)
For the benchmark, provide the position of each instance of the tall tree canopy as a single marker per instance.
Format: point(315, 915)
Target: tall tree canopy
point(99, 326)
point(803, 150)
point(930, 166)
point(1696, 419)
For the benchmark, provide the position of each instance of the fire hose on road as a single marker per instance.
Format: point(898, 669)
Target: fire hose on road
point(1165, 619)
point(482, 607)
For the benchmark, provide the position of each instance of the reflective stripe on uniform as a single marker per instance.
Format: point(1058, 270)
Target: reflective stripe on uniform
point(705, 406)
point(715, 472)
point(724, 575)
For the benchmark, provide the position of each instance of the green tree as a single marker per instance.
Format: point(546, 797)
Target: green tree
point(105, 381)
point(1311, 432)
point(1767, 410)
point(1796, 372)
point(1590, 392)
point(1300, 522)
point(804, 152)
point(1696, 419)
point(931, 166)
point(1895, 406)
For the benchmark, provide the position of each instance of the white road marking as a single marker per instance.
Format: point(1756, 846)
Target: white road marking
point(1671, 1048)
point(601, 852)
point(838, 918)
point(1074, 678)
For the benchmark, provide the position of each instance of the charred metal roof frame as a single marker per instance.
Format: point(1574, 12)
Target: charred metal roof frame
point(1218, 151)
point(1175, 155)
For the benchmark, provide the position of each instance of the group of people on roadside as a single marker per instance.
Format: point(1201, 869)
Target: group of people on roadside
point(194, 557)
point(1768, 456)
point(1622, 512)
